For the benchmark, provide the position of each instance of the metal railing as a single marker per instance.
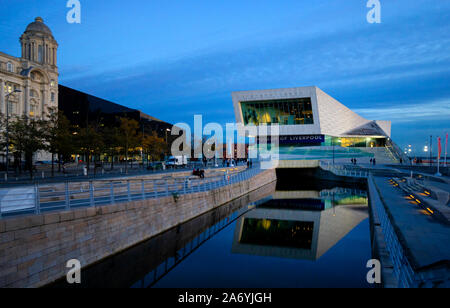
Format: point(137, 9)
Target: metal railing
point(402, 268)
point(36, 199)
point(395, 150)
point(343, 170)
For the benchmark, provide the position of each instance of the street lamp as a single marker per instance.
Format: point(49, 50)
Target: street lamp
point(333, 145)
point(167, 144)
point(7, 127)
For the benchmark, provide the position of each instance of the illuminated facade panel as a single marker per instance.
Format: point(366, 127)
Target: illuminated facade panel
point(284, 112)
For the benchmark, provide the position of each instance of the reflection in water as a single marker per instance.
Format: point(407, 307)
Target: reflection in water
point(300, 224)
point(274, 232)
point(268, 238)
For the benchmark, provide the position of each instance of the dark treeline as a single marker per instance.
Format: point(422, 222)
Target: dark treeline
point(94, 142)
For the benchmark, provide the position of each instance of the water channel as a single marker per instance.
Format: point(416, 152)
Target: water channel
point(309, 234)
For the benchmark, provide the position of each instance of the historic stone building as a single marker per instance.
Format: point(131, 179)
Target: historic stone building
point(34, 74)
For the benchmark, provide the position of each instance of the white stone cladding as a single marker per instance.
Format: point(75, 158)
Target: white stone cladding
point(336, 119)
point(330, 116)
point(34, 74)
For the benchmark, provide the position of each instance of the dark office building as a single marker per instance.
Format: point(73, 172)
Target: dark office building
point(81, 108)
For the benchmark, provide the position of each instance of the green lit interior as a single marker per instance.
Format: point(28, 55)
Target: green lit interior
point(296, 111)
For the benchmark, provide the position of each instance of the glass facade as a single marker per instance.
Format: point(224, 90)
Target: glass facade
point(296, 111)
point(355, 142)
point(277, 233)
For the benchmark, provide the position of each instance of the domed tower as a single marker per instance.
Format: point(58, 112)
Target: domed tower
point(38, 44)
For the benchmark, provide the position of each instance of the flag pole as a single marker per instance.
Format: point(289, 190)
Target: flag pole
point(446, 144)
point(438, 156)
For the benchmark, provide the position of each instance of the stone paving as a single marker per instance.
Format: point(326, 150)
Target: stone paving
point(425, 238)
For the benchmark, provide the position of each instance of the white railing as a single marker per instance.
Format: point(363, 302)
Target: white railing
point(343, 170)
point(70, 195)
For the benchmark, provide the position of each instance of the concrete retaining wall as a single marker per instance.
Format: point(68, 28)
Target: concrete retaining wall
point(117, 272)
point(377, 238)
point(34, 249)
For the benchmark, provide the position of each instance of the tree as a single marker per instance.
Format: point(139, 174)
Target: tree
point(3, 133)
point(27, 137)
point(89, 143)
point(153, 146)
point(128, 138)
point(111, 141)
point(58, 136)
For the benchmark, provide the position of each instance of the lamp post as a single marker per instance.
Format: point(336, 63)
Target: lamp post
point(431, 149)
point(7, 128)
point(167, 143)
point(333, 145)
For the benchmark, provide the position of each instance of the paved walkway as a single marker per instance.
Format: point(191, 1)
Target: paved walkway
point(54, 197)
point(425, 238)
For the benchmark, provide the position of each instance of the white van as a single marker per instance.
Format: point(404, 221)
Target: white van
point(176, 161)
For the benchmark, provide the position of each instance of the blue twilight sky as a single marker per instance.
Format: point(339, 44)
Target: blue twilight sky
point(174, 59)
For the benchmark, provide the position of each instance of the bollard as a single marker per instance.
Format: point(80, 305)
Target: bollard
point(66, 188)
point(91, 193)
point(37, 202)
point(112, 192)
point(128, 190)
point(43, 174)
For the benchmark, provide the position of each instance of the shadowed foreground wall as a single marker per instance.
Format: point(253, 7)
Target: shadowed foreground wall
point(34, 249)
point(117, 271)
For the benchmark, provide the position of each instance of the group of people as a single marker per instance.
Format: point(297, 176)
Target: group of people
point(372, 161)
point(199, 172)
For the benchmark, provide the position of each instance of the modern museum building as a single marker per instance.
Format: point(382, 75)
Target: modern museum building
point(312, 124)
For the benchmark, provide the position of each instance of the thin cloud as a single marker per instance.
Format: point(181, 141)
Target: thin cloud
point(437, 110)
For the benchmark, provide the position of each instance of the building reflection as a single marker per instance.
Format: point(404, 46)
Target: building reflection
point(300, 224)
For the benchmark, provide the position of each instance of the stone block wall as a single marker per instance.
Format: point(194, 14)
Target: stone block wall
point(34, 249)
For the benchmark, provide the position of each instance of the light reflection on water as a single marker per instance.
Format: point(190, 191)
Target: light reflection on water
point(294, 239)
point(280, 238)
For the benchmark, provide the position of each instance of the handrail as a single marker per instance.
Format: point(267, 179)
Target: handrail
point(396, 150)
point(70, 195)
point(343, 170)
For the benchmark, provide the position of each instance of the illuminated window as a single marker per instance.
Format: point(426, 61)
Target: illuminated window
point(8, 88)
point(33, 109)
point(296, 111)
point(52, 83)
